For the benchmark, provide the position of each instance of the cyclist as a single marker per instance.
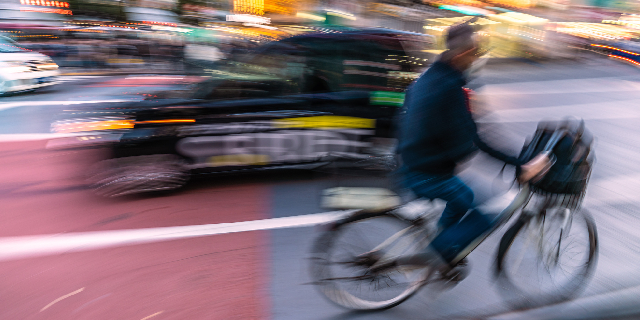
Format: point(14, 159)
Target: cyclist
point(437, 133)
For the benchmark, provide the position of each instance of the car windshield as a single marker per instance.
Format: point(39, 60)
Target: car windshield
point(9, 47)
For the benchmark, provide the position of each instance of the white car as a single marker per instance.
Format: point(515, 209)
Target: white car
point(22, 69)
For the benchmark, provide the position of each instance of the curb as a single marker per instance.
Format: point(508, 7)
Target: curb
point(621, 303)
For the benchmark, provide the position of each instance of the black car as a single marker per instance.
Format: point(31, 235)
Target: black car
point(300, 102)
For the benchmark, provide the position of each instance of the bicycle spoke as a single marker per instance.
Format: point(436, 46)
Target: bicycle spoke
point(356, 247)
point(561, 258)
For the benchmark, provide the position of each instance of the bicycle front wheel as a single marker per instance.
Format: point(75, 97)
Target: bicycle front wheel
point(547, 258)
point(342, 258)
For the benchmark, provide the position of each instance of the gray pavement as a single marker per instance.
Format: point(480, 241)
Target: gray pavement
point(514, 98)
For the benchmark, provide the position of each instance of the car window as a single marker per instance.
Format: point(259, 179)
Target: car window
point(10, 47)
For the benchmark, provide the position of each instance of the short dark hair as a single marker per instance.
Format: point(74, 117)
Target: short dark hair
point(460, 38)
point(460, 35)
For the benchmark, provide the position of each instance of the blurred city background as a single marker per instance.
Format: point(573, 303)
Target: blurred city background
point(112, 111)
point(189, 35)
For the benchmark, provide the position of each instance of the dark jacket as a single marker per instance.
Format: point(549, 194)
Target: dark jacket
point(437, 130)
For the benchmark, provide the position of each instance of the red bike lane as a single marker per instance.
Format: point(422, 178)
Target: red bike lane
point(212, 277)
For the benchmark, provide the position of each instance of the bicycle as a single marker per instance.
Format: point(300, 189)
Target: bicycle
point(549, 231)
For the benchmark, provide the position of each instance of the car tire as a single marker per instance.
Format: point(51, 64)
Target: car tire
point(138, 174)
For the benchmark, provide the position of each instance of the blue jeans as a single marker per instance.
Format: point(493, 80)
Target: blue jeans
point(457, 233)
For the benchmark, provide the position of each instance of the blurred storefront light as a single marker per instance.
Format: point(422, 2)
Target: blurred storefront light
point(596, 31)
point(310, 16)
point(624, 59)
point(523, 4)
point(341, 14)
point(518, 18)
point(633, 24)
point(247, 18)
point(249, 6)
point(259, 26)
point(59, 4)
point(57, 7)
point(614, 48)
point(172, 29)
point(471, 11)
point(46, 10)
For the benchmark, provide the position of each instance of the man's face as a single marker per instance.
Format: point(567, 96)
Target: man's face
point(467, 58)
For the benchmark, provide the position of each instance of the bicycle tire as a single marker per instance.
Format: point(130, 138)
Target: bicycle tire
point(333, 287)
point(519, 296)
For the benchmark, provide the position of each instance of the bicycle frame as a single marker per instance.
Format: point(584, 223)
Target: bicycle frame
point(394, 249)
point(520, 201)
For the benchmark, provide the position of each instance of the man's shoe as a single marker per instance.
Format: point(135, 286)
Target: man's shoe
point(450, 277)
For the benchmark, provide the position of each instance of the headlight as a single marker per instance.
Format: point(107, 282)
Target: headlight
point(15, 67)
point(48, 66)
point(85, 125)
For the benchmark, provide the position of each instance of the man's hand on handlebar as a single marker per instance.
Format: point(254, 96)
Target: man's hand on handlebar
point(535, 168)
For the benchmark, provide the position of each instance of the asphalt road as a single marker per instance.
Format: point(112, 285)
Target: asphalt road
point(92, 258)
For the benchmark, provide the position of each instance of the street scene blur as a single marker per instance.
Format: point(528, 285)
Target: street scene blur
point(242, 159)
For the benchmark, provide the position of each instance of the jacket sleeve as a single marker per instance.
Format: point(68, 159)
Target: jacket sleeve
point(495, 153)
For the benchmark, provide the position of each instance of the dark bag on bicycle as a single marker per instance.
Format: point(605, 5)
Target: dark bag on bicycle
point(573, 152)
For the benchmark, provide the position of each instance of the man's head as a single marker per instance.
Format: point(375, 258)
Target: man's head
point(462, 46)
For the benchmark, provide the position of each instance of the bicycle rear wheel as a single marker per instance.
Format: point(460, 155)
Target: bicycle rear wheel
point(547, 258)
point(342, 257)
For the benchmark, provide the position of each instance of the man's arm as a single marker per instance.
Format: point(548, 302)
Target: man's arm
point(468, 121)
point(495, 153)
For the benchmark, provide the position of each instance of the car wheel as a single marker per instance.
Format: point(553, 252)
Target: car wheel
point(138, 174)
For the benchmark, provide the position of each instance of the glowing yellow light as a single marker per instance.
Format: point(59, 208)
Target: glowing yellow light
point(249, 6)
point(166, 121)
point(625, 59)
point(345, 15)
point(310, 16)
point(617, 49)
point(92, 126)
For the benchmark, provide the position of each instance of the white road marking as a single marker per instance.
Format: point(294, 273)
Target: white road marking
point(61, 298)
point(600, 191)
point(9, 105)
point(30, 246)
point(151, 316)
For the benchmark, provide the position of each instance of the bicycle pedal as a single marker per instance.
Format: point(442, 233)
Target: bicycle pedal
point(455, 275)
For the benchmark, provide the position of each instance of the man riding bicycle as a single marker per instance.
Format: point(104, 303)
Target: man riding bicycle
point(437, 133)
